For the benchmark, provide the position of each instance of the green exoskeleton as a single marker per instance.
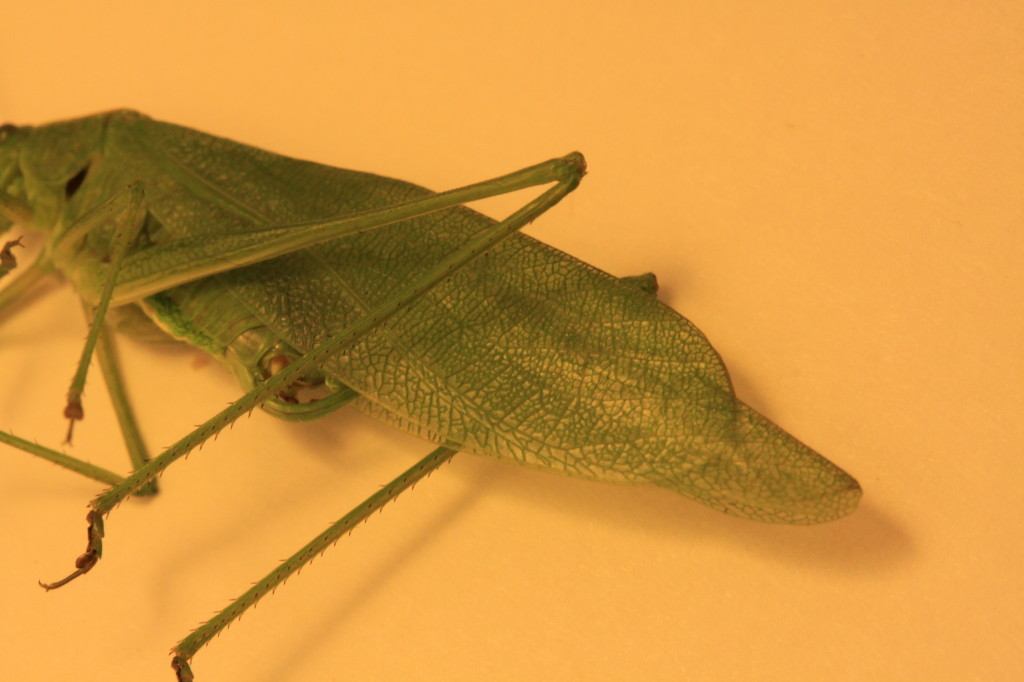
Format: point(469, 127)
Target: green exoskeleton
point(320, 288)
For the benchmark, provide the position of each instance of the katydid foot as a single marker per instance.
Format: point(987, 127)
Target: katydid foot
point(89, 558)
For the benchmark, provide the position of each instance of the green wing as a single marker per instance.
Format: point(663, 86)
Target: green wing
point(527, 355)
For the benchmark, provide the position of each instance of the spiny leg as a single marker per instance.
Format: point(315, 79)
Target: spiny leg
point(567, 172)
point(188, 647)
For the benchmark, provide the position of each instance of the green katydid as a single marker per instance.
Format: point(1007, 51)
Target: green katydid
point(428, 316)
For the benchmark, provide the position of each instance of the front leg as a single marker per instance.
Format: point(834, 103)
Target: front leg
point(126, 211)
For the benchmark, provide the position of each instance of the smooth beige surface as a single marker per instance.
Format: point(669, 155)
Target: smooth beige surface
point(830, 190)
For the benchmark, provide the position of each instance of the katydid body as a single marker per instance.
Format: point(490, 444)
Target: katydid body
point(522, 353)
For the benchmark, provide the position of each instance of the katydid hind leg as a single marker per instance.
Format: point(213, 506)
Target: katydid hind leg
point(163, 266)
point(187, 648)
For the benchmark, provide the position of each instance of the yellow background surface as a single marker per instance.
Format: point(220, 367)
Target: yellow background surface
point(831, 191)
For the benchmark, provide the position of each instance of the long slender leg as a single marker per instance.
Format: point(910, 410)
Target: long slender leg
point(106, 353)
point(163, 266)
point(569, 177)
point(188, 647)
point(92, 471)
point(127, 211)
